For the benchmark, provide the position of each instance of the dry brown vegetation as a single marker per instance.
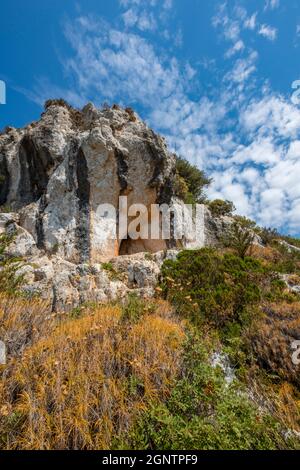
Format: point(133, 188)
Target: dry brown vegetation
point(272, 339)
point(81, 384)
point(22, 322)
point(265, 253)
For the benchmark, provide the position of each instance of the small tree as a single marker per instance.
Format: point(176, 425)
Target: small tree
point(219, 208)
point(267, 235)
point(240, 239)
point(244, 222)
point(190, 182)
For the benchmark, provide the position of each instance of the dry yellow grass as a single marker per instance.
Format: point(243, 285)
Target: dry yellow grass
point(272, 338)
point(22, 322)
point(82, 385)
point(294, 280)
point(265, 253)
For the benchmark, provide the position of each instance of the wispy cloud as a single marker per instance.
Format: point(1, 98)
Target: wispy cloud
point(237, 47)
point(232, 21)
point(250, 22)
point(43, 89)
point(143, 14)
point(242, 69)
point(268, 32)
point(271, 4)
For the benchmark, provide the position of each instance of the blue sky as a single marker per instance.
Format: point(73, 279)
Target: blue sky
point(214, 77)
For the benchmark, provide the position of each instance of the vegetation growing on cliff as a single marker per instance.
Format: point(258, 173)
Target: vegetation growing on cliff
point(191, 182)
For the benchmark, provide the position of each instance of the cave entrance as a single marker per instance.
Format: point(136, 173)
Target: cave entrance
point(145, 244)
point(131, 247)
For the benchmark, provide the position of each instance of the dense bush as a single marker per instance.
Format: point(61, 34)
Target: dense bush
point(240, 239)
point(191, 182)
point(288, 261)
point(203, 283)
point(291, 240)
point(244, 222)
point(57, 102)
point(219, 208)
point(267, 235)
point(139, 376)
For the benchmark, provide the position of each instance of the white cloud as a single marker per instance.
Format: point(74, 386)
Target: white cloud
point(268, 32)
point(250, 22)
point(230, 27)
point(271, 4)
point(272, 115)
point(237, 47)
point(140, 14)
point(232, 24)
point(143, 20)
point(242, 69)
point(260, 151)
point(130, 18)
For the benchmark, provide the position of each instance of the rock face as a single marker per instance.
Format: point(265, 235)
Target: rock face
point(55, 173)
point(54, 176)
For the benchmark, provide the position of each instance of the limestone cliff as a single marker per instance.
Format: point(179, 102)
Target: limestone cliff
point(54, 174)
point(57, 171)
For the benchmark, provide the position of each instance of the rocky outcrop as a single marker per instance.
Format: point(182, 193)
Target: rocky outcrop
point(292, 282)
point(56, 172)
point(54, 176)
point(67, 285)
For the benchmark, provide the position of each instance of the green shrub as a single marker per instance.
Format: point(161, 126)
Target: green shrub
point(134, 308)
point(6, 208)
point(289, 261)
point(219, 208)
point(190, 182)
point(111, 271)
point(9, 280)
point(240, 239)
point(244, 222)
point(267, 235)
point(291, 240)
point(203, 284)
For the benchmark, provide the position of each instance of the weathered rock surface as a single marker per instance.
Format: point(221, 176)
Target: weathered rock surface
point(292, 282)
point(54, 175)
point(56, 172)
point(68, 285)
